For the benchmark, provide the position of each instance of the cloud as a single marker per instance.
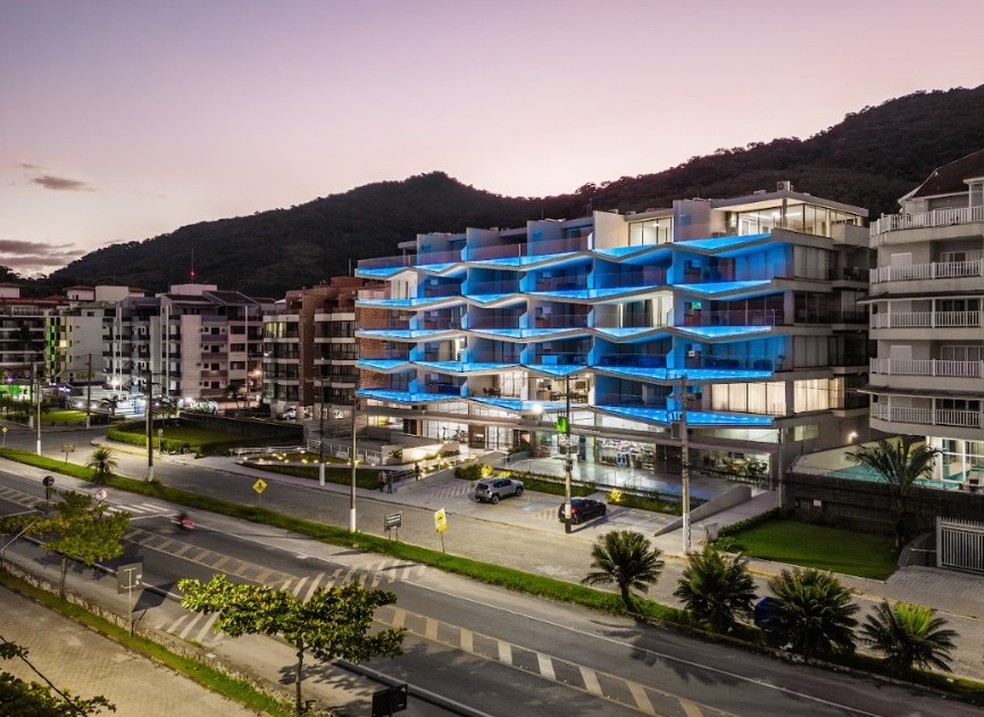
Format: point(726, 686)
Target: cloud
point(29, 165)
point(61, 184)
point(38, 257)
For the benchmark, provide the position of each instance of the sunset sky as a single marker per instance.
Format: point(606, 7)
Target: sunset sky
point(125, 119)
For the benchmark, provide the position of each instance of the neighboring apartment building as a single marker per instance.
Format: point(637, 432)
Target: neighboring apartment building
point(194, 342)
point(27, 339)
point(926, 296)
point(309, 350)
point(82, 331)
point(747, 304)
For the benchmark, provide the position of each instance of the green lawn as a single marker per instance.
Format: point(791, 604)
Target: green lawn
point(819, 546)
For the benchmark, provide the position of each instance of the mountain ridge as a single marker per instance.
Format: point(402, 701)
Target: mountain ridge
point(870, 159)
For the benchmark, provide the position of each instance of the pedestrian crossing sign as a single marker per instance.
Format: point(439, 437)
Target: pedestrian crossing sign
point(260, 485)
point(440, 520)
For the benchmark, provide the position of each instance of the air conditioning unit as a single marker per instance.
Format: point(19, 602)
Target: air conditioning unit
point(784, 186)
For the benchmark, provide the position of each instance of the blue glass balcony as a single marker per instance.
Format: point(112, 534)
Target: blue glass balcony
point(722, 245)
point(664, 417)
point(401, 397)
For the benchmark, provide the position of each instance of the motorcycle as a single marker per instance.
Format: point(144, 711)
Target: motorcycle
point(184, 522)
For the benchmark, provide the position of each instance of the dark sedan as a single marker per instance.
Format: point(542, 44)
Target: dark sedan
point(583, 509)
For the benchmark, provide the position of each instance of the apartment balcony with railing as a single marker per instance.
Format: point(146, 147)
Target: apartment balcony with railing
point(928, 272)
point(927, 417)
point(880, 228)
point(734, 317)
point(926, 320)
point(939, 375)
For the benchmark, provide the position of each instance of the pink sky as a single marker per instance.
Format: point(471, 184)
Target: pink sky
point(124, 119)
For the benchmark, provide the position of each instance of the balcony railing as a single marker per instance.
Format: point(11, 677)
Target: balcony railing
point(936, 270)
point(935, 218)
point(926, 320)
point(733, 317)
point(926, 416)
point(927, 367)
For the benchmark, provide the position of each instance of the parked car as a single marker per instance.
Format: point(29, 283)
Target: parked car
point(490, 490)
point(583, 509)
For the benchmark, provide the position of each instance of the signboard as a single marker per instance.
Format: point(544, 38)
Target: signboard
point(440, 520)
point(393, 520)
point(129, 577)
point(259, 486)
point(386, 702)
point(47, 481)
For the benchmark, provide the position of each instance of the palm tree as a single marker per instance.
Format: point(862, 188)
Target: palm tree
point(626, 559)
point(813, 612)
point(716, 588)
point(899, 464)
point(909, 635)
point(103, 462)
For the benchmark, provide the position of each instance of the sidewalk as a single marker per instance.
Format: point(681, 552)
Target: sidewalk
point(86, 664)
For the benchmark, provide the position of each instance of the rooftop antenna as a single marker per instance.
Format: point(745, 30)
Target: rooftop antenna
point(192, 272)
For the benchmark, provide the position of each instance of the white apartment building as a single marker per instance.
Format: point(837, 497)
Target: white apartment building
point(195, 342)
point(926, 295)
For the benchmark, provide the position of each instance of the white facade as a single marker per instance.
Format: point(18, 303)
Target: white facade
point(926, 294)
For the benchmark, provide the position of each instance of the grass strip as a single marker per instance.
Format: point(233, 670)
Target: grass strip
point(237, 690)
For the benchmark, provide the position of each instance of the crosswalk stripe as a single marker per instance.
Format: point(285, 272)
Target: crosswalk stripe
point(690, 709)
point(591, 683)
point(641, 698)
point(505, 652)
point(314, 586)
point(467, 641)
point(299, 586)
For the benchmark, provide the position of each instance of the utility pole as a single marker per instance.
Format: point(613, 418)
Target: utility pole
point(149, 414)
point(684, 465)
point(37, 405)
point(567, 457)
point(88, 395)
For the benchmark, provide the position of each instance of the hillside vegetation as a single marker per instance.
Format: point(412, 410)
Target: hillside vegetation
point(869, 159)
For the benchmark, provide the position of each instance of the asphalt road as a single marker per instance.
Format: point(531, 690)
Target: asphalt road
point(495, 651)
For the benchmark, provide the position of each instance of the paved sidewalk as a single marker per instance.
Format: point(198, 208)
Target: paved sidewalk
point(83, 662)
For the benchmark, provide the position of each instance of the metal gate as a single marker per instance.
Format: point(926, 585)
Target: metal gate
point(960, 544)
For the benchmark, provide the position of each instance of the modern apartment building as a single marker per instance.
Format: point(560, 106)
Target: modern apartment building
point(926, 295)
point(309, 350)
point(741, 313)
point(194, 342)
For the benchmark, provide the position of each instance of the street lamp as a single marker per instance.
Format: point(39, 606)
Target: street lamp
point(352, 521)
point(684, 465)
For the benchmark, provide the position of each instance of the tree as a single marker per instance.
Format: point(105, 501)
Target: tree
point(103, 461)
point(626, 559)
point(909, 635)
point(79, 529)
point(716, 588)
point(899, 463)
point(813, 612)
point(18, 697)
point(334, 623)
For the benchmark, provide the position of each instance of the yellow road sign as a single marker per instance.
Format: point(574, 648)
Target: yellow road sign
point(260, 485)
point(440, 520)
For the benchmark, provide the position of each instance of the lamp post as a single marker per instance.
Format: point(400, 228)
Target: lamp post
point(684, 465)
point(37, 406)
point(352, 520)
point(567, 456)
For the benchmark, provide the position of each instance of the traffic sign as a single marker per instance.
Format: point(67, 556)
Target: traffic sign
point(259, 486)
point(129, 577)
point(440, 520)
point(393, 520)
point(47, 481)
point(101, 495)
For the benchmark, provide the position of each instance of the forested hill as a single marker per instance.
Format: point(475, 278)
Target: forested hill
point(870, 159)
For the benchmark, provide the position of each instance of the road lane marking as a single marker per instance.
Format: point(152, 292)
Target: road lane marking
point(641, 697)
point(690, 709)
point(591, 683)
point(505, 652)
point(544, 663)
